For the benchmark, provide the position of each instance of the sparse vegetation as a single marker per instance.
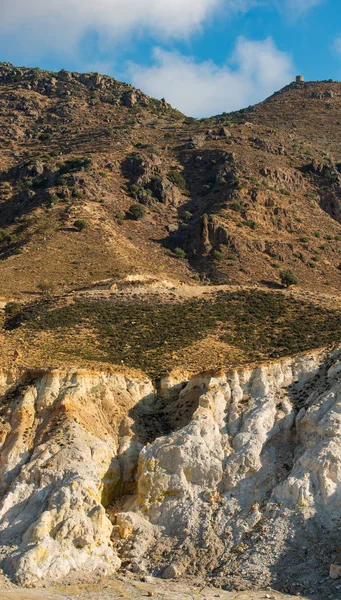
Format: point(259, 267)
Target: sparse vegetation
point(218, 255)
point(137, 211)
point(288, 278)
point(46, 287)
point(145, 335)
point(12, 309)
point(178, 180)
point(80, 225)
point(73, 165)
point(180, 253)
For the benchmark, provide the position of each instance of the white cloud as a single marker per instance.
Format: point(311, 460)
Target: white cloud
point(42, 26)
point(293, 10)
point(256, 69)
point(297, 8)
point(336, 46)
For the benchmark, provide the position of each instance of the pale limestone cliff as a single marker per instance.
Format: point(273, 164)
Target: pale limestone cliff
point(61, 434)
point(231, 475)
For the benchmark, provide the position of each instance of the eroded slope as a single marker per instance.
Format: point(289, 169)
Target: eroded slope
point(233, 476)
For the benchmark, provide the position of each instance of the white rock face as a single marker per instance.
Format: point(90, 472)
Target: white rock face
point(227, 444)
point(255, 472)
point(236, 475)
point(59, 469)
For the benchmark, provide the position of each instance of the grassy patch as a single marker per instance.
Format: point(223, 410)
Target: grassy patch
point(146, 334)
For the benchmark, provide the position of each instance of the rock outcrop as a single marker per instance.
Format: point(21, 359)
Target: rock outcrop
point(59, 469)
point(66, 84)
point(250, 488)
point(234, 475)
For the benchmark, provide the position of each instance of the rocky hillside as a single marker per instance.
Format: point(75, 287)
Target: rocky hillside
point(170, 327)
point(99, 181)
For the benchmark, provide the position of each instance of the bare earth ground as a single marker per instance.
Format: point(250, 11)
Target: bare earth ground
point(134, 590)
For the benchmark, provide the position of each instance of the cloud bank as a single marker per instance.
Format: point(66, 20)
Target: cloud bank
point(60, 25)
point(43, 27)
point(256, 70)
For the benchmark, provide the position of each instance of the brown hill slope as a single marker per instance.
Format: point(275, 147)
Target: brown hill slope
point(121, 211)
point(244, 195)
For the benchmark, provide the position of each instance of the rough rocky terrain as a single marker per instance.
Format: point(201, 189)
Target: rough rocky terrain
point(235, 199)
point(232, 477)
point(170, 334)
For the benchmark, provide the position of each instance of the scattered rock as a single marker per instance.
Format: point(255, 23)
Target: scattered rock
point(171, 572)
point(335, 571)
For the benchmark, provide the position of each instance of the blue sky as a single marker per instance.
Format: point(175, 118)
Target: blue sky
point(203, 56)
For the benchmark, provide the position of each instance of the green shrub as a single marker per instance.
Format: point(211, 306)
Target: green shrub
point(139, 193)
point(120, 217)
point(63, 180)
point(46, 287)
point(218, 255)
point(80, 225)
point(235, 182)
point(187, 215)
point(237, 207)
point(299, 255)
point(12, 309)
point(3, 236)
point(310, 195)
point(288, 278)
point(179, 253)
point(72, 165)
point(137, 211)
point(206, 188)
point(134, 190)
point(178, 180)
point(45, 137)
point(252, 224)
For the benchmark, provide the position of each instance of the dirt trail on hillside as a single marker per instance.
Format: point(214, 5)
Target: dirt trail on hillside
point(145, 286)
